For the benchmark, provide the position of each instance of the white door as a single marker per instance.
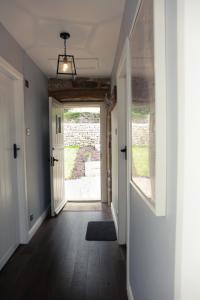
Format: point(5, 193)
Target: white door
point(122, 161)
point(56, 155)
point(9, 220)
point(114, 147)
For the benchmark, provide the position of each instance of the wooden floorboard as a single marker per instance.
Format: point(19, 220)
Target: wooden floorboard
point(59, 264)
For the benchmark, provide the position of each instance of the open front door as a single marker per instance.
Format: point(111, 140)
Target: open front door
point(56, 155)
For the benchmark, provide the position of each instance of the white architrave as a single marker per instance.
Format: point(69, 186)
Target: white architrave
point(187, 263)
point(20, 138)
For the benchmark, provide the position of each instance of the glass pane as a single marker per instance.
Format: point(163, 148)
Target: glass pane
point(143, 101)
point(66, 66)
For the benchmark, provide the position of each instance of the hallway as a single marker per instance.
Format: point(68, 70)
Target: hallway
point(137, 61)
point(60, 264)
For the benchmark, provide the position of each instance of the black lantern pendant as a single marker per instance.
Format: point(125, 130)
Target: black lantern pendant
point(66, 64)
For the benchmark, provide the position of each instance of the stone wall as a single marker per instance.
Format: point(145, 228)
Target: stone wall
point(140, 134)
point(88, 134)
point(82, 134)
point(81, 117)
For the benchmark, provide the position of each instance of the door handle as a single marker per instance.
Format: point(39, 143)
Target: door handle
point(124, 150)
point(53, 159)
point(15, 149)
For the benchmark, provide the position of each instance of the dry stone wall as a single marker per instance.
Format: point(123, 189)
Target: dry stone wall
point(140, 134)
point(88, 134)
point(82, 134)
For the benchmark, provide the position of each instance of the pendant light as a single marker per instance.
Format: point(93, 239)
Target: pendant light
point(66, 63)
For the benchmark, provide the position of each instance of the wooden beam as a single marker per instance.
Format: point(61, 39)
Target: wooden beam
point(79, 94)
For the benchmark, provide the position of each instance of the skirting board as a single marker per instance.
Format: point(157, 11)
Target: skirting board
point(114, 218)
point(129, 292)
point(6, 257)
point(60, 207)
point(37, 224)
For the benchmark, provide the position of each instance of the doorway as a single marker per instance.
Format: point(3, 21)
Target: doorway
point(82, 153)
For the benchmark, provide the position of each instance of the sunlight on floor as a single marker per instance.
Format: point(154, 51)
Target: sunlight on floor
point(86, 206)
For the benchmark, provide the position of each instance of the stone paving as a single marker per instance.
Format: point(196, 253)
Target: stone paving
point(83, 189)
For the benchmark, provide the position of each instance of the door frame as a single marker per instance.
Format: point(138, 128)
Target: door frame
point(124, 116)
point(18, 78)
point(125, 68)
point(103, 159)
point(187, 262)
point(114, 166)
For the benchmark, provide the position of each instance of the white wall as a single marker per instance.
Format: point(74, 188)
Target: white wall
point(188, 206)
point(36, 118)
point(152, 239)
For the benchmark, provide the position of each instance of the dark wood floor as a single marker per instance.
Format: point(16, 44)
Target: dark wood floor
point(59, 264)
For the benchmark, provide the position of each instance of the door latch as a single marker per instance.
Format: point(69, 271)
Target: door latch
point(124, 150)
point(52, 161)
point(15, 149)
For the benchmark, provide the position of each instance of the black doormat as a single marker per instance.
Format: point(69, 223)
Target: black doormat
point(101, 231)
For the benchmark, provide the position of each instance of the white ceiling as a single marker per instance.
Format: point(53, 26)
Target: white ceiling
point(93, 24)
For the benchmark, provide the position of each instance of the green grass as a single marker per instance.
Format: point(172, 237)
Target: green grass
point(72, 147)
point(141, 160)
point(140, 111)
point(70, 156)
point(75, 116)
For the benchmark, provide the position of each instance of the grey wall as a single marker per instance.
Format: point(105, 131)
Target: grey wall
point(152, 239)
point(36, 118)
point(129, 12)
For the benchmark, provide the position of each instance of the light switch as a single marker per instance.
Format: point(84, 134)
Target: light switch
point(28, 131)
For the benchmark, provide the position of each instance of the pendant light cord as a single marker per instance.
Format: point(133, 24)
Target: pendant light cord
point(65, 51)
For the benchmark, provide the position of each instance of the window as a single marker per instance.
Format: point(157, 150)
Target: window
point(148, 114)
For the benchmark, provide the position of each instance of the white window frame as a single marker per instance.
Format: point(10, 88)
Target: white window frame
point(158, 203)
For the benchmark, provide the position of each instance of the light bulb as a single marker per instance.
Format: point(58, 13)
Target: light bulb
point(65, 66)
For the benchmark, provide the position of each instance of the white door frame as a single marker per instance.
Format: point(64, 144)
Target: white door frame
point(103, 160)
point(187, 259)
point(129, 160)
point(124, 70)
point(114, 164)
point(23, 224)
point(124, 114)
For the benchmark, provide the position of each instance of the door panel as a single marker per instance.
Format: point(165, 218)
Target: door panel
point(56, 155)
point(122, 162)
point(9, 226)
point(103, 111)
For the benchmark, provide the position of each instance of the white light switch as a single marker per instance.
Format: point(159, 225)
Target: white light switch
point(28, 131)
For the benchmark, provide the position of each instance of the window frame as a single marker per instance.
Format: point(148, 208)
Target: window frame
point(158, 203)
